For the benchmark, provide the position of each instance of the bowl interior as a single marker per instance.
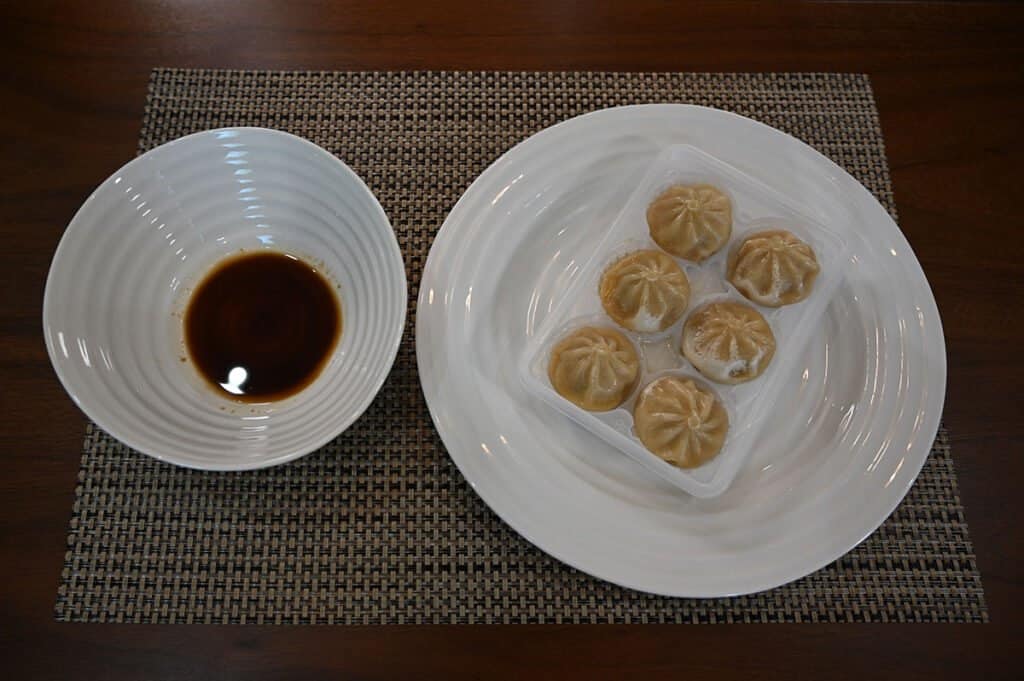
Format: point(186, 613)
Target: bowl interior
point(127, 264)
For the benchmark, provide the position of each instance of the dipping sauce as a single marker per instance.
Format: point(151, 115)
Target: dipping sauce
point(261, 326)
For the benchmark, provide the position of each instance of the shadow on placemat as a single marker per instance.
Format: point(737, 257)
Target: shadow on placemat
point(379, 527)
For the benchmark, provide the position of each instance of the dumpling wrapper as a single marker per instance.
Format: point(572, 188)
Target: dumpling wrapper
point(645, 291)
point(729, 342)
point(773, 268)
point(680, 421)
point(691, 221)
point(595, 368)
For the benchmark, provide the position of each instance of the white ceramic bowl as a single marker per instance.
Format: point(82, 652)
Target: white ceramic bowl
point(125, 267)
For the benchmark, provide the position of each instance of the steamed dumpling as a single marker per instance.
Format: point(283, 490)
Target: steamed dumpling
point(728, 342)
point(680, 421)
point(773, 268)
point(645, 291)
point(690, 221)
point(594, 368)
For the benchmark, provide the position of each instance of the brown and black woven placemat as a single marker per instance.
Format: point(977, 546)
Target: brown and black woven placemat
point(379, 526)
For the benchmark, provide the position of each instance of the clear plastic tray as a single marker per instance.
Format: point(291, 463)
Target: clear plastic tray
point(755, 207)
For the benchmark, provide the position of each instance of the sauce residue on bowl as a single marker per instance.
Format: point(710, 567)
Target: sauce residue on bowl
point(260, 327)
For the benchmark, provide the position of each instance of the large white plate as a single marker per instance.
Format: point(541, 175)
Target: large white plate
point(852, 431)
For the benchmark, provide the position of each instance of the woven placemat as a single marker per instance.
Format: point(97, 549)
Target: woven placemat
point(379, 526)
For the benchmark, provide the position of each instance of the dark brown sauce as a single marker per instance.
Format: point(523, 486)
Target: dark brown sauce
point(261, 326)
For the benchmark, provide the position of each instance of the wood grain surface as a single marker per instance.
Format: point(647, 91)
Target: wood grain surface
point(949, 79)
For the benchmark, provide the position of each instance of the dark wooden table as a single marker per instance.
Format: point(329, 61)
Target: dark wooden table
point(949, 79)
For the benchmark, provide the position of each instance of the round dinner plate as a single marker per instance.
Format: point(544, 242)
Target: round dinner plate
point(852, 428)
